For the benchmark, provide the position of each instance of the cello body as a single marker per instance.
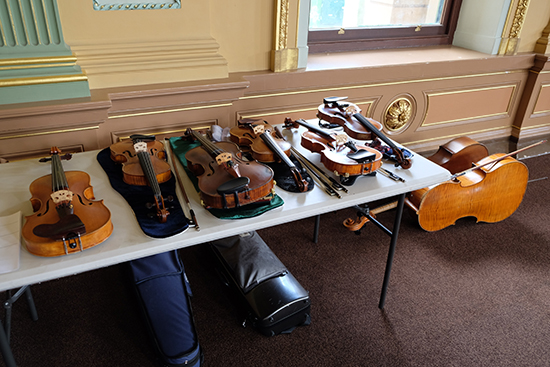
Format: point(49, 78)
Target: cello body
point(490, 194)
point(459, 154)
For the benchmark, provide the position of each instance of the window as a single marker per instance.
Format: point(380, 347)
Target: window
point(349, 25)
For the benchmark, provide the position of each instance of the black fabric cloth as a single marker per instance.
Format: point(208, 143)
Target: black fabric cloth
point(250, 259)
point(284, 178)
point(138, 197)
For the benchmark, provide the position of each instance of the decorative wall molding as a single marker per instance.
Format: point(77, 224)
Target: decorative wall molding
point(35, 63)
point(514, 22)
point(118, 64)
point(283, 58)
point(399, 114)
point(125, 5)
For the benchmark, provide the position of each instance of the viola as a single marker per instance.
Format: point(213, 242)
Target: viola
point(266, 146)
point(66, 217)
point(225, 180)
point(357, 126)
point(490, 190)
point(144, 163)
point(338, 154)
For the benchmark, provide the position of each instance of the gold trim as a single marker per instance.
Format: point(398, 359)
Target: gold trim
point(454, 135)
point(169, 111)
point(49, 132)
point(510, 33)
point(530, 127)
point(33, 66)
point(281, 24)
point(283, 58)
point(463, 119)
point(534, 113)
point(38, 60)
point(471, 90)
point(506, 113)
point(43, 80)
point(299, 110)
point(378, 84)
point(398, 114)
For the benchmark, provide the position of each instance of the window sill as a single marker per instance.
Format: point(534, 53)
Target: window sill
point(376, 58)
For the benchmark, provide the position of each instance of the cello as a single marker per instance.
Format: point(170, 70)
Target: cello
point(491, 190)
point(144, 163)
point(66, 217)
point(338, 154)
point(359, 127)
point(225, 180)
point(266, 146)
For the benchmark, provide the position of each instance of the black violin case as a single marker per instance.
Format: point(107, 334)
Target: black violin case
point(270, 298)
point(164, 295)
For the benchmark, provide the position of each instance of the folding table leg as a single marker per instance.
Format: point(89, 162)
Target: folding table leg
point(5, 348)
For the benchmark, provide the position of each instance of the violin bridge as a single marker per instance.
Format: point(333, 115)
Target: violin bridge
point(258, 129)
point(223, 158)
point(62, 196)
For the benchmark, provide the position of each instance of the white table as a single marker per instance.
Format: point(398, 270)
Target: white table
point(128, 241)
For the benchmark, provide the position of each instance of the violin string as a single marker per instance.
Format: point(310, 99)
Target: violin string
point(59, 181)
point(149, 171)
point(210, 147)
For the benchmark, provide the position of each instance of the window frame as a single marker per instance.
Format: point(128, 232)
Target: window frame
point(356, 39)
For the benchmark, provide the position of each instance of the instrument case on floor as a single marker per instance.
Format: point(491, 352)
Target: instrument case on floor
point(274, 301)
point(165, 299)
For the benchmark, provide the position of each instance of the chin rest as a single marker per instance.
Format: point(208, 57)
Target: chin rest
point(362, 156)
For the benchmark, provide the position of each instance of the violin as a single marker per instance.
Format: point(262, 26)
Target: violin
point(490, 190)
point(66, 217)
point(144, 163)
point(341, 113)
point(358, 126)
point(225, 180)
point(266, 146)
point(338, 154)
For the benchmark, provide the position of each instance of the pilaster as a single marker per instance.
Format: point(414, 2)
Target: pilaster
point(35, 62)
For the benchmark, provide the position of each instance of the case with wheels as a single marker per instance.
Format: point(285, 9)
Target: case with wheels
point(274, 300)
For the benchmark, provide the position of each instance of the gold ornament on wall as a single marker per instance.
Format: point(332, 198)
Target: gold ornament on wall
point(398, 114)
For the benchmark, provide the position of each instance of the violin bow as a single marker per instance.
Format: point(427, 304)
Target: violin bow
point(193, 220)
point(453, 177)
